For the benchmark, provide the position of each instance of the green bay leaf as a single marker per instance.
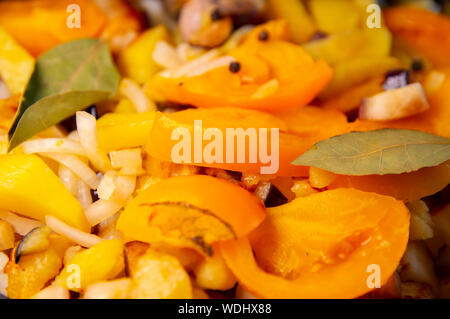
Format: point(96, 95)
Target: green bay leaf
point(66, 79)
point(385, 151)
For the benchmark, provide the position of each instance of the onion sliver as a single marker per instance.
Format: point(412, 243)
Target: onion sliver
point(133, 92)
point(84, 194)
point(166, 56)
point(129, 161)
point(192, 65)
point(107, 185)
point(77, 236)
point(21, 225)
point(101, 210)
point(87, 131)
point(69, 179)
point(53, 145)
point(214, 64)
point(77, 166)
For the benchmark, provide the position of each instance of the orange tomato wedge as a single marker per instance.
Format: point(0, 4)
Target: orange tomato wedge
point(423, 30)
point(274, 75)
point(161, 145)
point(315, 122)
point(312, 244)
point(228, 202)
point(40, 25)
point(407, 187)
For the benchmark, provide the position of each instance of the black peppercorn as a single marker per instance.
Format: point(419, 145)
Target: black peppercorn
point(235, 67)
point(216, 15)
point(417, 65)
point(263, 35)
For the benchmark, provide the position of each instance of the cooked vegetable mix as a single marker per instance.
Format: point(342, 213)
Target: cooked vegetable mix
point(207, 149)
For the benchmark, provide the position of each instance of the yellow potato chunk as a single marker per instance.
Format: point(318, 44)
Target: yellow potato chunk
point(320, 178)
point(160, 276)
point(100, 262)
point(31, 274)
point(214, 274)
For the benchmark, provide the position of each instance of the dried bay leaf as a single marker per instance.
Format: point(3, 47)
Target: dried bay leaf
point(66, 79)
point(385, 151)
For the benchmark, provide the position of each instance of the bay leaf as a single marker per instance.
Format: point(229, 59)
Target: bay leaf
point(385, 151)
point(66, 79)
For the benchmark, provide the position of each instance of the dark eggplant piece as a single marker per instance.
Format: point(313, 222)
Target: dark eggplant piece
point(270, 195)
point(33, 242)
point(396, 79)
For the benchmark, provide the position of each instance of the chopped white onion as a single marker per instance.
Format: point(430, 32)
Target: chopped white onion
point(101, 210)
point(107, 228)
point(53, 145)
point(54, 291)
point(192, 65)
point(73, 136)
point(21, 225)
point(188, 52)
point(84, 194)
point(125, 186)
point(129, 161)
point(87, 131)
point(69, 179)
point(166, 56)
point(77, 236)
point(107, 185)
point(133, 92)
point(394, 104)
point(77, 166)
point(211, 65)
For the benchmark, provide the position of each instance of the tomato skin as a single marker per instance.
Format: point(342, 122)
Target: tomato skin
point(28, 22)
point(423, 30)
point(348, 233)
point(160, 144)
point(229, 202)
point(274, 75)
